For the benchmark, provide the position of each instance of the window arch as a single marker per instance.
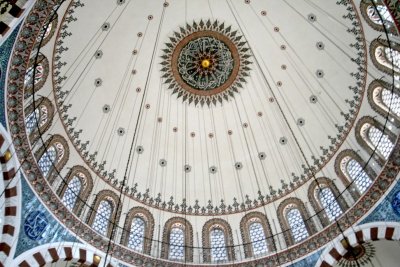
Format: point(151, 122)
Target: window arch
point(373, 16)
point(49, 30)
point(385, 58)
point(349, 166)
point(77, 185)
point(370, 135)
point(256, 235)
point(217, 241)
point(52, 156)
point(381, 96)
point(295, 221)
point(138, 230)
point(41, 73)
point(40, 113)
point(326, 200)
point(177, 240)
point(103, 212)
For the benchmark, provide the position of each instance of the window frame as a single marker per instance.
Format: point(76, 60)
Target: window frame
point(285, 227)
point(245, 223)
point(148, 231)
point(226, 228)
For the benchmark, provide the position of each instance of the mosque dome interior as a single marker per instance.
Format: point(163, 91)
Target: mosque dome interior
point(200, 133)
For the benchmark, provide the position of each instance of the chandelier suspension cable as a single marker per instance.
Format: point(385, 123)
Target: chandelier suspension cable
point(53, 15)
point(213, 147)
point(266, 81)
point(139, 119)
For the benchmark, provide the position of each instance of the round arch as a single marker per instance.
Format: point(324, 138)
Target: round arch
point(357, 235)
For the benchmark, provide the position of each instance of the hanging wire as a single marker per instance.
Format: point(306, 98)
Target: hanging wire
point(114, 223)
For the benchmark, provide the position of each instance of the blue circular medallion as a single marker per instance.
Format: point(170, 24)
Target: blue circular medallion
point(35, 225)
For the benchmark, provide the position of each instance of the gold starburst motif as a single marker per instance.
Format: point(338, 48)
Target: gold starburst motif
point(205, 62)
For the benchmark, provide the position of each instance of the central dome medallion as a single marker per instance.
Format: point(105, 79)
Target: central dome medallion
point(205, 62)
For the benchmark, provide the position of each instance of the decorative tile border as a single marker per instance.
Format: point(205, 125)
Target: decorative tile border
point(16, 76)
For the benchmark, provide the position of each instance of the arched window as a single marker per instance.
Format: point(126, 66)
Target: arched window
point(72, 193)
point(296, 224)
point(295, 221)
point(378, 17)
point(136, 234)
point(385, 99)
point(218, 245)
point(47, 32)
point(76, 188)
point(103, 216)
point(329, 203)
point(177, 240)
point(217, 241)
point(31, 121)
point(326, 200)
point(52, 156)
point(40, 114)
point(176, 243)
point(47, 160)
point(103, 212)
point(256, 235)
point(386, 58)
point(353, 172)
point(370, 135)
point(36, 75)
point(138, 230)
point(375, 14)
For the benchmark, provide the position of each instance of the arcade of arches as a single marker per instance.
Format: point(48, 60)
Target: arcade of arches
point(201, 132)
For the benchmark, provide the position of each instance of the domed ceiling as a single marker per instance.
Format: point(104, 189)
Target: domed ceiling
point(284, 79)
point(204, 110)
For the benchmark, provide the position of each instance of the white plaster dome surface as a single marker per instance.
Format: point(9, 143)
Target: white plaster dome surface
point(128, 152)
point(294, 106)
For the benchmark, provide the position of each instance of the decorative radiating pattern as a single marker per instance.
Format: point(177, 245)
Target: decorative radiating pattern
point(382, 11)
point(47, 160)
point(297, 225)
point(136, 235)
point(358, 175)
point(392, 101)
point(329, 203)
point(103, 213)
point(72, 192)
point(30, 121)
point(218, 246)
point(381, 141)
point(393, 57)
point(176, 244)
point(257, 238)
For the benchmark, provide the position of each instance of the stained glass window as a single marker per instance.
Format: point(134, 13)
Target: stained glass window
point(103, 213)
point(381, 141)
point(393, 57)
point(30, 72)
point(392, 101)
point(358, 175)
point(72, 192)
point(329, 203)
point(218, 246)
point(176, 244)
point(47, 160)
point(257, 238)
point(136, 235)
point(30, 121)
point(297, 225)
point(383, 11)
